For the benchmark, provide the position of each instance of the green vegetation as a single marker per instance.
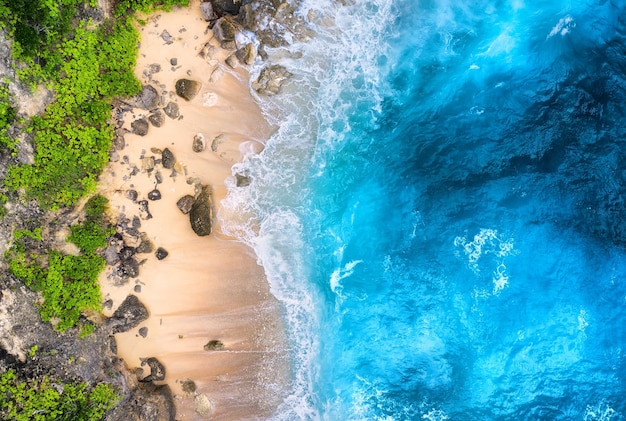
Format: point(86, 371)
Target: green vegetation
point(43, 400)
point(122, 7)
point(72, 137)
point(68, 284)
point(7, 117)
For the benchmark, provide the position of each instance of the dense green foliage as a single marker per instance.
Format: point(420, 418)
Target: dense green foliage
point(123, 7)
point(41, 400)
point(93, 233)
point(73, 136)
point(7, 117)
point(68, 284)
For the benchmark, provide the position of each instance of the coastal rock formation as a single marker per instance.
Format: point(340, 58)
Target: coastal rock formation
point(157, 371)
point(247, 54)
point(156, 118)
point(129, 268)
point(214, 345)
point(154, 194)
point(161, 253)
point(203, 405)
point(242, 180)
point(171, 110)
point(167, 159)
point(187, 88)
point(271, 79)
point(206, 9)
point(226, 7)
point(185, 203)
point(128, 315)
point(199, 143)
point(147, 99)
point(201, 214)
point(224, 31)
point(140, 127)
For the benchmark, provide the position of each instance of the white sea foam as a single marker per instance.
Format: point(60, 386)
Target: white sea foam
point(488, 245)
point(563, 27)
point(330, 70)
point(602, 411)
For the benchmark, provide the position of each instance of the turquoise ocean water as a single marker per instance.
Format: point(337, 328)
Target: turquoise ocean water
point(442, 211)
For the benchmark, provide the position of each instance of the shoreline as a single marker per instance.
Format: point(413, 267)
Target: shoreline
point(207, 288)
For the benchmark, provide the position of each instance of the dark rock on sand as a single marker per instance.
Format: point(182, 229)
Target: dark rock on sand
point(246, 54)
point(187, 88)
point(199, 143)
point(140, 127)
point(128, 315)
point(201, 214)
point(224, 31)
point(131, 194)
point(271, 79)
point(144, 211)
point(145, 245)
point(143, 331)
point(226, 7)
point(127, 252)
point(158, 177)
point(156, 118)
point(167, 159)
point(232, 61)
point(208, 14)
point(147, 99)
point(214, 345)
point(185, 203)
point(154, 195)
point(157, 371)
point(171, 110)
point(129, 268)
point(161, 253)
point(243, 180)
point(246, 16)
point(174, 61)
point(137, 288)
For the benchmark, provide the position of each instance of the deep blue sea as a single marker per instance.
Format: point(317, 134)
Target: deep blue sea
point(442, 210)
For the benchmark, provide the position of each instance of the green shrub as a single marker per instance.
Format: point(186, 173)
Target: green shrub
point(40, 400)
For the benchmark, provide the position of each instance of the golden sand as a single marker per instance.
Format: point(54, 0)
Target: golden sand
point(207, 288)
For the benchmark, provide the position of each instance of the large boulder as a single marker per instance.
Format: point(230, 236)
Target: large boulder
point(226, 7)
point(167, 159)
point(271, 79)
point(157, 371)
point(147, 99)
point(185, 203)
point(140, 127)
point(201, 214)
point(171, 110)
point(206, 9)
point(224, 31)
point(247, 54)
point(187, 88)
point(128, 315)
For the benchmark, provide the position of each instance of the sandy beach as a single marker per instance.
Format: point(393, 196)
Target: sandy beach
point(208, 288)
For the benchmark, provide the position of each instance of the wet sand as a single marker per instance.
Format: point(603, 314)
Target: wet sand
point(207, 288)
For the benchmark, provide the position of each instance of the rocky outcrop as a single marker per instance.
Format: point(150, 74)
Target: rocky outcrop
point(161, 253)
point(201, 214)
point(156, 118)
point(207, 11)
point(199, 143)
point(140, 127)
point(185, 203)
point(171, 110)
point(224, 31)
point(187, 88)
point(226, 7)
point(167, 159)
point(246, 54)
point(157, 371)
point(271, 79)
point(147, 99)
point(128, 315)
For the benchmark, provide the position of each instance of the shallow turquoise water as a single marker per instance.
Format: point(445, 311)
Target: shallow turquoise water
point(444, 217)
